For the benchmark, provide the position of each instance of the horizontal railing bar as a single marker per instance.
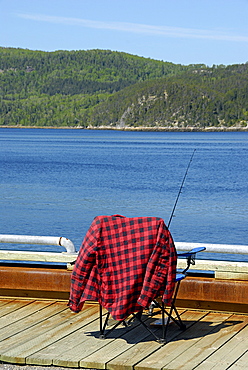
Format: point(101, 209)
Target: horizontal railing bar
point(213, 248)
point(70, 248)
point(68, 257)
point(41, 240)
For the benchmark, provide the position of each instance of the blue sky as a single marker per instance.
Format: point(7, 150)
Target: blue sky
point(177, 31)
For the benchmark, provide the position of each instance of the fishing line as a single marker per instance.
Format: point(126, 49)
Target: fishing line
point(180, 190)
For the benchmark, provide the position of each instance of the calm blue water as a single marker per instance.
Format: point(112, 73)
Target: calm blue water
point(54, 182)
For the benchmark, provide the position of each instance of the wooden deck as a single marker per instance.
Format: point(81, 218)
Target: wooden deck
point(42, 332)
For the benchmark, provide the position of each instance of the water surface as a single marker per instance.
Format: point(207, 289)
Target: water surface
point(54, 182)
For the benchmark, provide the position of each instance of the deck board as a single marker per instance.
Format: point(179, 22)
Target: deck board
point(14, 333)
point(143, 350)
point(69, 347)
point(6, 307)
point(42, 332)
point(241, 363)
point(217, 336)
point(46, 332)
point(235, 346)
point(119, 342)
point(22, 312)
point(5, 301)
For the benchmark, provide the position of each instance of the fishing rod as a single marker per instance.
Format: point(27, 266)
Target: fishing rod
point(180, 190)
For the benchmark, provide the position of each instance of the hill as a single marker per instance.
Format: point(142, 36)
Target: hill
point(98, 88)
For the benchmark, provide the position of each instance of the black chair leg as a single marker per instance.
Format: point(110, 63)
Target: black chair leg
point(103, 326)
point(172, 314)
point(138, 317)
point(103, 332)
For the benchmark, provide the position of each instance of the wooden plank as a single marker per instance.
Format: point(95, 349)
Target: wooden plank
point(124, 344)
point(41, 335)
point(207, 344)
point(231, 275)
point(117, 342)
point(19, 314)
point(161, 358)
point(4, 301)
point(133, 355)
point(63, 348)
point(236, 344)
point(112, 349)
point(128, 359)
point(241, 363)
point(15, 332)
point(48, 333)
point(211, 265)
point(62, 257)
point(92, 345)
point(12, 306)
point(86, 345)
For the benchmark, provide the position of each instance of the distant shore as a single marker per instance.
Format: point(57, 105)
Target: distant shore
point(141, 128)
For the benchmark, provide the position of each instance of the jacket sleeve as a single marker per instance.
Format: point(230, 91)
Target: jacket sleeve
point(84, 264)
point(161, 270)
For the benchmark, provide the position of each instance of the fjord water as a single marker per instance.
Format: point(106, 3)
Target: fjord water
point(54, 182)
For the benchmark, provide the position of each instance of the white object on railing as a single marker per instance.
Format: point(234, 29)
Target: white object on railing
point(41, 240)
point(213, 248)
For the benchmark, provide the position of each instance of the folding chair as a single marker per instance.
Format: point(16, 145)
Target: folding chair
point(125, 264)
point(167, 315)
point(172, 314)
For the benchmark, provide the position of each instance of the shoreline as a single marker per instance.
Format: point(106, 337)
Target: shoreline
point(139, 128)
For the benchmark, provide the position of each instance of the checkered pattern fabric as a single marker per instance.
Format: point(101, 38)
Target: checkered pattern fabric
point(124, 263)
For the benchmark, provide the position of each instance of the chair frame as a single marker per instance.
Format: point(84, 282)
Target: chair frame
point(171, 314)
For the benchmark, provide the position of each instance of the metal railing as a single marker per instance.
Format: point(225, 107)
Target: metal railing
point(214, 248)
point(36, 256)
point(40, 240)
point(70, 248)
point(221, 269)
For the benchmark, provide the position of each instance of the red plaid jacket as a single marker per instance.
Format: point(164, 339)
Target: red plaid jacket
point(124, 263)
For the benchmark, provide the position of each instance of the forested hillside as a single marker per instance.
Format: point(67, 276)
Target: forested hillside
point(104, 88)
